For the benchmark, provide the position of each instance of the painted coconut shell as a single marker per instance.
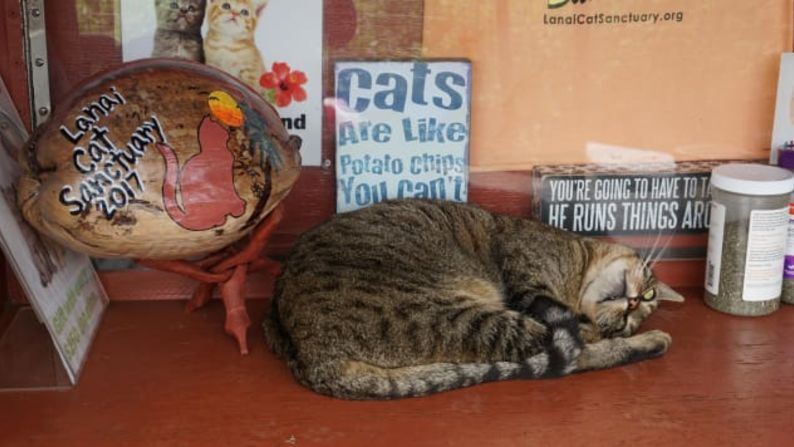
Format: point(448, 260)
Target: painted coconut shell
point(158, 159)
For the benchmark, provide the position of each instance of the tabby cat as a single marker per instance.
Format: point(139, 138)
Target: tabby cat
point(408, 298)
point(178, 31)
point(230, 42)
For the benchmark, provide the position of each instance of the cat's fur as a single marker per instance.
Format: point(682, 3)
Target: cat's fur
point(408, 298)
point(178, 31)
point(230, 42)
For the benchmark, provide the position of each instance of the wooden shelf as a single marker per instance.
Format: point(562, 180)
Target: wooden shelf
point(159, 377)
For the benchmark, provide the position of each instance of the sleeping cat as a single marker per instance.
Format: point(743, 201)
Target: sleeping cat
point(408, 298)
point(230, 38)
point(178, 31)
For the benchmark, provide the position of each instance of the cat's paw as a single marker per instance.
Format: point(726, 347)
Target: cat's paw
point(650, 344)
point(589, 332)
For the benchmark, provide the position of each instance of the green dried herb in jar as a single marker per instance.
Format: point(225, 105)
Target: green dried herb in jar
point(747, 238)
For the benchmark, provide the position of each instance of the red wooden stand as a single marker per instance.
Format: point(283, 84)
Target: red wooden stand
point(228, 270)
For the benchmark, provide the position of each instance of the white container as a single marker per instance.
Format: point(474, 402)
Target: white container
point(747, 237)
point(785, 159)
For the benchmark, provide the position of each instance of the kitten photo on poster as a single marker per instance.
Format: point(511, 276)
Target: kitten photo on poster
point(178, 32)
point(230, 44)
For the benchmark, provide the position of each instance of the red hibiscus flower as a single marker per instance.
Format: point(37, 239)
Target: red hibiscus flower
point(283, 84)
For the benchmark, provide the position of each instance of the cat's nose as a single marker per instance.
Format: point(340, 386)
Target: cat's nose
point(633, 303)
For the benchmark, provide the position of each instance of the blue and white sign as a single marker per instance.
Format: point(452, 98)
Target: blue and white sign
point(402, 131)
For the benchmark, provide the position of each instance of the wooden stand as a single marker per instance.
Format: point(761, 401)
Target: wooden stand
point(228, 270)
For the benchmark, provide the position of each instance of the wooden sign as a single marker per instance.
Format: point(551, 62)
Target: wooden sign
point(598, 200)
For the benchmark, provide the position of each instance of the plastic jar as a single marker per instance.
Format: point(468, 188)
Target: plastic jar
point(785, 160)
point(747, 238)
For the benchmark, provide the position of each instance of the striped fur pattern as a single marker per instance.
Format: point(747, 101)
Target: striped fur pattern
point(229, 44)
point(409, 298)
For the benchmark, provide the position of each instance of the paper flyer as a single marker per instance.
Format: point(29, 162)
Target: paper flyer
point(61, 285)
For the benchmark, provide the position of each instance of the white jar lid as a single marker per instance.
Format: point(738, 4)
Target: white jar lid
point(752, 179)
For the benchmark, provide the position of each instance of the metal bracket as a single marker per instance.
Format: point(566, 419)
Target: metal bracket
point(35, 45)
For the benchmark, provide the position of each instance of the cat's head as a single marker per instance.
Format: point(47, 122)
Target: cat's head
point(619, 290)
point(180, 15)
point(236, 18)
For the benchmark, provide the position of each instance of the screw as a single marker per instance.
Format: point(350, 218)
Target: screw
point(326, 163)
point(44, 110)
point(35, 12)
point(39, 62)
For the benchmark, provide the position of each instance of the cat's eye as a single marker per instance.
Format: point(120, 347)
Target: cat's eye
point(191, 8)
point(244, 12)
point(649, 294)
point(226, 6)
point(174, 5)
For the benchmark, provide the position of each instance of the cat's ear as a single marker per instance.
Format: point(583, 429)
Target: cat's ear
point(260, 6)
point(666, 293)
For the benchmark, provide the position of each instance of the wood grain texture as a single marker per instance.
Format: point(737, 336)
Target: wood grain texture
point(6, 308)
point(158, 377)
point(125, 285)
point(81, 41)
point(29, 359)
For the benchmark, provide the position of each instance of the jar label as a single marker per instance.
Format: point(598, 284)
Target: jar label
point(714, 254)
point(766, 245)
point(788, 266)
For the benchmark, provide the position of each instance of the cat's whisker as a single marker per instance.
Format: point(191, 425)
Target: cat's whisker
point(661, 251)
point(648, 249)
point(658, 249)
point(644, 243)
point(651, 253)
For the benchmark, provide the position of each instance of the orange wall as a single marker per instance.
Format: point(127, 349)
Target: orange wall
point(701, 88)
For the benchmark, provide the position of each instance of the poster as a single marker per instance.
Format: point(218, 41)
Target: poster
point(615, 80)
point(402, 131)
point(61, 285)
point(274, 46)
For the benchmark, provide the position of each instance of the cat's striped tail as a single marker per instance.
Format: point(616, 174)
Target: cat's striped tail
point(357, 380)
point(561, 352)
point(351, 379)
